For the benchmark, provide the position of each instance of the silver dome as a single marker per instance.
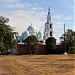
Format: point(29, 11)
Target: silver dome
point(31, 28)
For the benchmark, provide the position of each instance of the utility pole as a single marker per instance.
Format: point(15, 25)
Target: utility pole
point(64, 40)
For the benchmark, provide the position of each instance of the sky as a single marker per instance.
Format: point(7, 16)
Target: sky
point(22, 13)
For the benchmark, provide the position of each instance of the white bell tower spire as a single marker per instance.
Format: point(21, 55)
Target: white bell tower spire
point(49, 30)
point(49, 15)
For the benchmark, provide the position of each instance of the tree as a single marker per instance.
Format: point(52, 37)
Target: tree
point(70, 41)
point(32, 44)
point(50, 45)
point(3, 20)
point(6, 35)
point(2, 47)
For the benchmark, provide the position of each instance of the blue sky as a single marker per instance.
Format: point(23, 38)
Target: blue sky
point(22, 12)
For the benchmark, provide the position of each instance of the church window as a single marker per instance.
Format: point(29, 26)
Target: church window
point(46, 34)
point(46, 26)
point(50, 25)
point(50, 33)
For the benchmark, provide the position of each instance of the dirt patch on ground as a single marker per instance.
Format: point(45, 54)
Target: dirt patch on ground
point(37, 65)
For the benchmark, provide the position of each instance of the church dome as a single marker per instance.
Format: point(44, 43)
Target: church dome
point(31, 28)
point(40, 33)
point(26, 33)
point(39, 36)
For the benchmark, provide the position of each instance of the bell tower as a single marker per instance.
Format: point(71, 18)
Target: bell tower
point(49, 30)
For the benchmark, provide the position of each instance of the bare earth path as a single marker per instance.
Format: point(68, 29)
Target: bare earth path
point(37, 65)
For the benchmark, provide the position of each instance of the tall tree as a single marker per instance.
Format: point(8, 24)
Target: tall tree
point(6, 35)
point(32, 44)
point(50, 45)
point(70, 41)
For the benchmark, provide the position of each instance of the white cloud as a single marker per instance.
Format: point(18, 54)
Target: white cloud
point(68, 18)
point(8, 1)
point(37, 8)
point(59, 25)
point(21, 19)
point(16, 4)
point(57, 17)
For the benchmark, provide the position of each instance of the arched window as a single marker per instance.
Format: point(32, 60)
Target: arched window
point(50, 33)
point(50, 25)
point(46, 26)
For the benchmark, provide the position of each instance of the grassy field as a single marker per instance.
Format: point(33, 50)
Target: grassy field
point(37, 65)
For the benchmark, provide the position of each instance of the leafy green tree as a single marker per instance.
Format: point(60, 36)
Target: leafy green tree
point(50, 45)
point(70, 41)
point(2, 47)
point(3, 20)
point(32, 44)
point(6, 35)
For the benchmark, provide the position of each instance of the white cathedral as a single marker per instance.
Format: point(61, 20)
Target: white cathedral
point(31, 30)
